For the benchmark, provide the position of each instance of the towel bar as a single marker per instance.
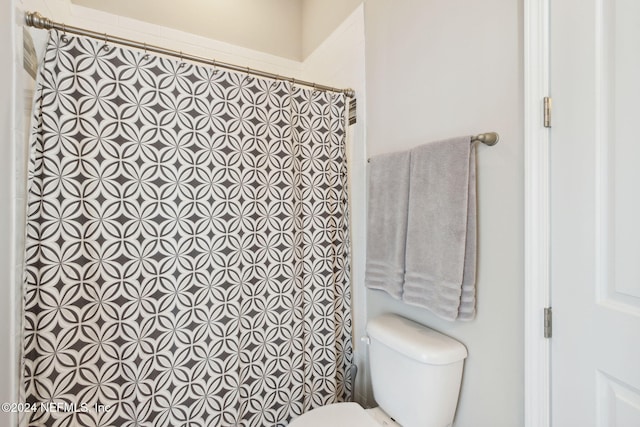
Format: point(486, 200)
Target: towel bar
point(489, 138)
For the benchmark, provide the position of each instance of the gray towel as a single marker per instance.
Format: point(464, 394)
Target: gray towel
point(441, 229)
point(388, 195)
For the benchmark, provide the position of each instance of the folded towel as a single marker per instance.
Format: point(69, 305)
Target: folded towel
point(388, 195)
point(441, 229)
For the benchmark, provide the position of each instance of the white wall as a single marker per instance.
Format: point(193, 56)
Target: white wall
point(433, 71)
point(442, 68)
point(7, 270)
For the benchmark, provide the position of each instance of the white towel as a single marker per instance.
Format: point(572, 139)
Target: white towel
point(441, 229)
point(388, 194)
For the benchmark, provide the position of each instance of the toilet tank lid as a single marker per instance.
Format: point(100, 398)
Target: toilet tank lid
point(415, 340)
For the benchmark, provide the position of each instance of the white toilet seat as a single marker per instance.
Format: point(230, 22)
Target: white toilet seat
point(346, 414)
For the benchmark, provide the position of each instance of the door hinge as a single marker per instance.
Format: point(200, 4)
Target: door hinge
point(548, 322)
point(547, 111)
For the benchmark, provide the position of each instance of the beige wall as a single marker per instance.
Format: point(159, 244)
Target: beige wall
point(320, 18)
point(289, 28)
point(442, 68)
point(272, 26)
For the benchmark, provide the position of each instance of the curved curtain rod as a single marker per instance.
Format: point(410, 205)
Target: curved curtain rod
point(36, 20)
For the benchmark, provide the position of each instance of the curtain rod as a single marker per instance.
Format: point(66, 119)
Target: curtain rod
point(36, 20)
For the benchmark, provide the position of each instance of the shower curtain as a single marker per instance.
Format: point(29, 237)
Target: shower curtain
point(187, 247)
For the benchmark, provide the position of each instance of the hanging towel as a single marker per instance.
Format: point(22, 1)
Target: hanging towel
point(388, 193)
point(441, 229)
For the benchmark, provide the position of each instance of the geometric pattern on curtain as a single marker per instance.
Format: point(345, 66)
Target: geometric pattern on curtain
point(187, 248)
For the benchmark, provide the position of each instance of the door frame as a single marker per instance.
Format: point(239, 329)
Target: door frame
point(537, 349)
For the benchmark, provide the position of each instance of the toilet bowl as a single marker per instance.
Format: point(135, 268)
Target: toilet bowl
point(344, 415)
point(416, 374)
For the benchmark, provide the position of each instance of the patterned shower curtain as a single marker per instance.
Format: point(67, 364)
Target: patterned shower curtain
point(187, 248)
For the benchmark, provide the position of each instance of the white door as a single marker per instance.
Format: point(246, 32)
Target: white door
point(595, 213)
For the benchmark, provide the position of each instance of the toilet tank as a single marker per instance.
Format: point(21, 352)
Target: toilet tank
point(415, 371)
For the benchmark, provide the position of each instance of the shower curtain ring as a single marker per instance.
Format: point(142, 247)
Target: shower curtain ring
point(181, 60)
point(105, 47)
point(146, 54)
point(64, 37)
point(215, 68)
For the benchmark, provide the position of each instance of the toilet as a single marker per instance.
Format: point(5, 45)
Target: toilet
point(415, 375)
